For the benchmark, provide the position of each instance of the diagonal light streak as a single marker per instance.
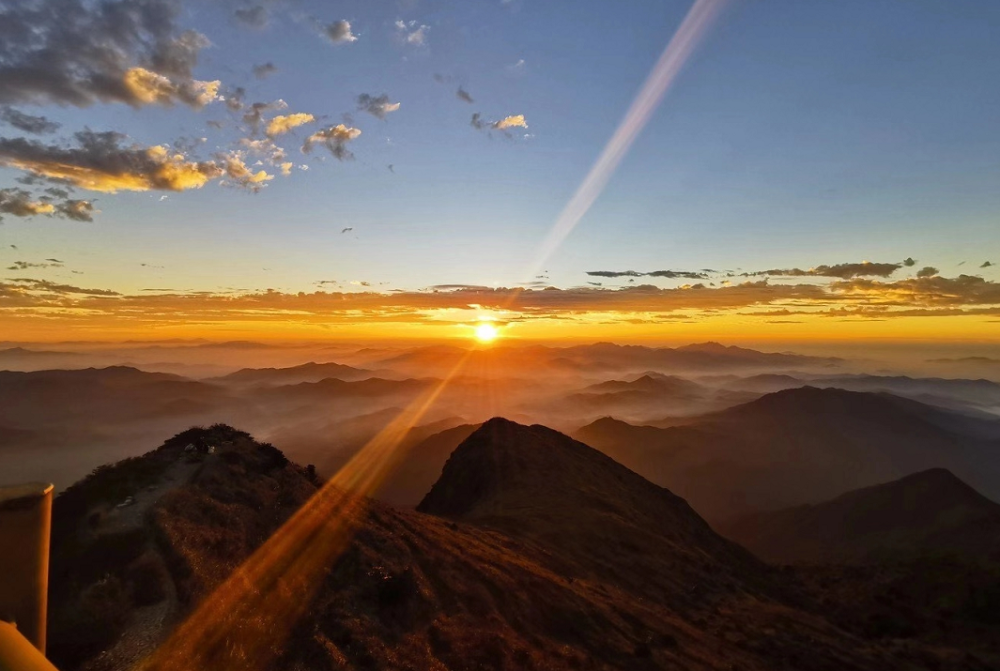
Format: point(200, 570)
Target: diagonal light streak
point(687, 38)
point(246, 621)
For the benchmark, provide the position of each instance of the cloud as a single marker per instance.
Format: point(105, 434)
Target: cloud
point(669, 274)
point(25, 265)
point(102, 162)
point(841, 270)
point(376, 106)
point(505, 124)
point(28, 123)
point(517, 68)
point(410, 33)
point(515, 121)
point(56, 288)
point(264, 70)
point(77, 53)
point(21, 203)
point(253, 17)
point(148, 87)
point(934, 291)
point(280, 125)
point(462, 94)
point(334, 138)
point(237, 171)
point(855, 299)
point(339, 32)
point(266, 149)
point(254, 116)
point(927, 271)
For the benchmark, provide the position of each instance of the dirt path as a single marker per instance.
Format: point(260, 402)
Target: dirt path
point(120, 519)
point(146, 625)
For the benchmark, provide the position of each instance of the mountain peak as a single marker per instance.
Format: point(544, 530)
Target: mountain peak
point(536, 483)
point(506, 470)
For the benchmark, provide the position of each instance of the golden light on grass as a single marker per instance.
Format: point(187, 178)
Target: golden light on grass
point(486, 332)
point(245, 623)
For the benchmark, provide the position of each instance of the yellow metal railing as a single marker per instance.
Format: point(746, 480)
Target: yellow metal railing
point(25, 526)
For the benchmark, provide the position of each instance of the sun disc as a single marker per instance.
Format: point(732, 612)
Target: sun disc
point(486, 332)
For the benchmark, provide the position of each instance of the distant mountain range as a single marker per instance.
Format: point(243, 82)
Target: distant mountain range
point(928, 514)
point(599, 358)
point(307, 372)
point(801, 446)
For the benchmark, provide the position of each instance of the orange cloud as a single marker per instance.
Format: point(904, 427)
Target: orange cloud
point(101, 162)
point(515, 121)
point(147, 87)
point(282, 124)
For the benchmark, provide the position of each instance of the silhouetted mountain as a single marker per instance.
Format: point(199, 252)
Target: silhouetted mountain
point(19, 358)
point(332, 388)
point(114, 394)
point(799, 446)
point(701, 357)
point(958, 394)
point(536, 482)
point(649, 396)
point(930, 513)
point(650, 382)
point(307, 372)
point(561, 559)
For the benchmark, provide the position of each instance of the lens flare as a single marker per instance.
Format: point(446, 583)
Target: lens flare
point(246, 621)
point(676, 53)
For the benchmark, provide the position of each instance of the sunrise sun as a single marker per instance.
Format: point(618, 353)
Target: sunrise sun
point(486, 332)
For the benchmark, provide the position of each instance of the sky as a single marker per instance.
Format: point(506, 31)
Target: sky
point(323, 169)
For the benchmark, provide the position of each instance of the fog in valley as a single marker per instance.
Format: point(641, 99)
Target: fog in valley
point(731, 429)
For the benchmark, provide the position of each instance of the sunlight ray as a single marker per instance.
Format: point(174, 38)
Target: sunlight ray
point(680, 47)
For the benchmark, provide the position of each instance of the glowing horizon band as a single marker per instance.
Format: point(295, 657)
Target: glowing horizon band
point(663, 74)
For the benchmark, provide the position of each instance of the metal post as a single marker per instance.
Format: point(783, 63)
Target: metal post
point(25, 524)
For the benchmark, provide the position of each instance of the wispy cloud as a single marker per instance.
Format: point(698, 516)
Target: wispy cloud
point(377, 106)
point(411, 33)
point(669, 274)
point(264, 70)
point(26, 265)
point(29, 123)
point(254, 16)
point(841, 270)
point(335, 139)
point(242, 176)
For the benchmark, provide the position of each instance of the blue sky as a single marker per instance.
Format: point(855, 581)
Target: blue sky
point(801, 132)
